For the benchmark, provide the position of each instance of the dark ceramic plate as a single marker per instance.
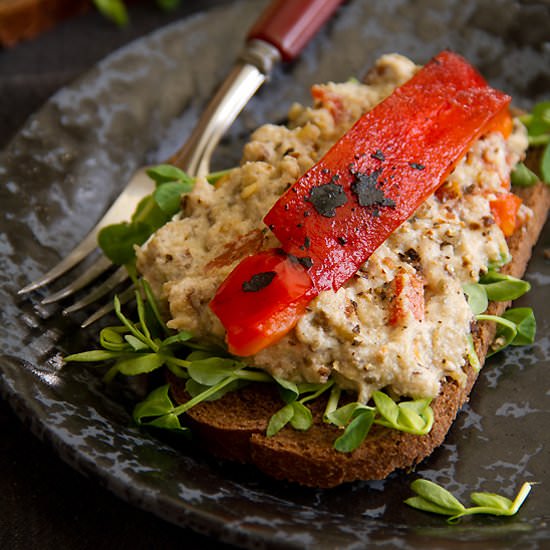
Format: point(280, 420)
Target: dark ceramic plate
point(69, 162)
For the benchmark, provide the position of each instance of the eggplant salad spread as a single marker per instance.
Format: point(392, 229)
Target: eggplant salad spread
point(402, 323)
point(322, 310)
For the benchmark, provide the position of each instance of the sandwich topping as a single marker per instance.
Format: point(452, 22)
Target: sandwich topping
point(399, 320)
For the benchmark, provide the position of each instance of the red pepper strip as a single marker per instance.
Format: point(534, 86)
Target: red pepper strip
point(343, 208)
point(261, 300)
point(379, 172)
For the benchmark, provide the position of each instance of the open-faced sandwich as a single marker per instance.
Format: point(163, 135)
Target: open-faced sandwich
point(341, 288)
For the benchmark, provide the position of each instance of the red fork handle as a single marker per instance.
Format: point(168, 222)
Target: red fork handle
point(290, 24)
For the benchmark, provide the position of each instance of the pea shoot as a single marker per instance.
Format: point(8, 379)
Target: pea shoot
point(516, 326)
point(431, 497)
point(538, 129)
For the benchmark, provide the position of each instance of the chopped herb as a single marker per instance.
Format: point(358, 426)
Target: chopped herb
point(259, 281)
point(378, 155)
point(416, 166)
point(366, 187)
point(327, 198)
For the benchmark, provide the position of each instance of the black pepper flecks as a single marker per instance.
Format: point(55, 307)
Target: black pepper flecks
point(326, 198)
point(378, 155)
point(307, 242)
point(366, 187)
point(305, 261)
point(416, 166)
point(342, 240)
point(258, 281)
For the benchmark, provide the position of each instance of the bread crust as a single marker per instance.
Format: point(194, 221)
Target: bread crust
point(234, 426)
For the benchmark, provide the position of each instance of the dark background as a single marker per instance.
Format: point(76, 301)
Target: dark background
point(43, 502)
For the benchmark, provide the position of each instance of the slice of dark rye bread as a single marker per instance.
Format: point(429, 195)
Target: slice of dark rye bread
point(234, 426)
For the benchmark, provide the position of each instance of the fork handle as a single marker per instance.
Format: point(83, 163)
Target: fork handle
point(290, 24)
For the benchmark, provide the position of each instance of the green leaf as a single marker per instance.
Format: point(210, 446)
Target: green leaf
point(163, 173)
point(213, 370)
point(168, 196)
point(539, 121)
point(386, 407)
point(355, 433)
point(114, 10)
point(432, 492)
point(117, 241)
point(112, 339)
point(140, 364)
point(94, 355)
point(152, 304)
point(410, 414)
point(501, 288)
point(491, 500)
point(343, 415)
point(302, 418)
point(545, 165)
point(291, 389)
point(136, 343)
point(167, 422)
point(126, 322)
point(521, 176)
point(149, 213)
point(427, 506)
point(526, 325)
point(157, 403)
point(506, 332)
point(280, 419)
point(476, 296)
point(332, 403)
point(195, 389)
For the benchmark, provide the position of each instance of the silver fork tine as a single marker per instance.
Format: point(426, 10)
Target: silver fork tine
point(98, 268)
point(124, 296)
point(76, 255)
point(126, 203)
point(118, 277)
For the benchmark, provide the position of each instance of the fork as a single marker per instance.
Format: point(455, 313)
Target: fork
point(280, 33)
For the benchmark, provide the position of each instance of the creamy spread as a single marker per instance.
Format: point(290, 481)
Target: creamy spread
point(450, 240)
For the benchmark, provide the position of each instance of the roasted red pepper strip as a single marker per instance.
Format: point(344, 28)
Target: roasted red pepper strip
point(375, 177)
point(379, 172)
point(261, 300)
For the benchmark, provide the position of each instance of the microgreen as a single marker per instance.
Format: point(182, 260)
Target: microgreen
point(538, 130)
point(516, 327)
point(355, 432)
point(501, 288)
point(415, 416)
point(114, 10)
point(496, 287)
point(431, 497)
point(476, 296)
point(295, 411)
point(522, 176)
